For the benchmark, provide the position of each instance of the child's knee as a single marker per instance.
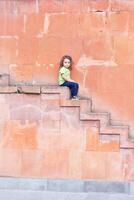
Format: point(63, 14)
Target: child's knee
point(77, 85)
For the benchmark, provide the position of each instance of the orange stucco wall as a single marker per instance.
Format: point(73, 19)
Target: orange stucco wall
point(34, 35)
point(99, 35)
point(43, 134)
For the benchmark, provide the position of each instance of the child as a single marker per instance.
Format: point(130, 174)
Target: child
point(64, 76)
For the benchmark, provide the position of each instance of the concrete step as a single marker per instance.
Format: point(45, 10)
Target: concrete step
point(45, 195)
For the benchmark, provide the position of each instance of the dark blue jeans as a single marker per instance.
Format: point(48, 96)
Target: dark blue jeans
point(74, 87)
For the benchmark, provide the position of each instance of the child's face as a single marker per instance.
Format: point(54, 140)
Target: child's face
point(66, 63)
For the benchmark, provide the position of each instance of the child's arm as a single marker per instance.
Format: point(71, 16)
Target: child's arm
point(67, 78)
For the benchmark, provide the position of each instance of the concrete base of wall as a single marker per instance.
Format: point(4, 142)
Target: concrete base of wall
point(64, 185)
point(51, 189)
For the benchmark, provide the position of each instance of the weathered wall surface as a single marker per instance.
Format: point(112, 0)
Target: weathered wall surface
point(98, 34)
point(34, 35)
point(42, 134)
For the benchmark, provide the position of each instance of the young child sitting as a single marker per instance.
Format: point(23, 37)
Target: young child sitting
point(64, 78)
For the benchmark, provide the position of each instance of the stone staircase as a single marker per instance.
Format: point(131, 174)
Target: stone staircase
point(39, 124)
point(106, 129)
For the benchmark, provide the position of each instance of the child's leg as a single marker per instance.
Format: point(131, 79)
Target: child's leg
point(74, 87)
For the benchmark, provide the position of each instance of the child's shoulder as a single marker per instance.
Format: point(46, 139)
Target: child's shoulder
point(62, 69)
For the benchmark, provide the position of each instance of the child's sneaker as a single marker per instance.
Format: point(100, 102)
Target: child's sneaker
point(75, 98)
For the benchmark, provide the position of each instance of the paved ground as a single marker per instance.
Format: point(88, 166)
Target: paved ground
point(44, 195)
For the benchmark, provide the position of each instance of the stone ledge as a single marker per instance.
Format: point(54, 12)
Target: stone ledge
point(34, 89)
point(66, 185)
point(8, 89)
point(29, 89)
point(56, 89)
